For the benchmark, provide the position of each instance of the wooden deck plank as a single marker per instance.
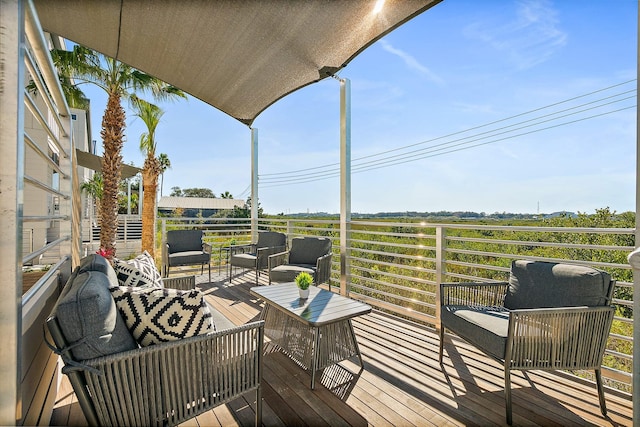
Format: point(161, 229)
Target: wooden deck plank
point(402, 382)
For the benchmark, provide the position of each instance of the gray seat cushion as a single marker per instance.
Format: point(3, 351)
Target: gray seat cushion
point(288, 272)
point(89, 319)
point(189, 258)
point(535, 284)
point(486, 328)
point(246, 260)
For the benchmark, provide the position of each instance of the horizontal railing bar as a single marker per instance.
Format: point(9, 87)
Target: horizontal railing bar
point(392, 254)
point(398, 276)
point(502, 227)
point(31, 143)
point(423, 317)
point(46, 218)
point(618, 354)
point(534, 258)
point(40, 85)
point(44, 249)
point(617, 375)
point(621, 337)
point(45, 187)
point(43, 59)
point(33, 108)
point(390, 234)
point(479, 266)
point(390, 295)
point(622, 302)
point(391, 264)
point(54, 269)
point(393, 245)
point(539, 244)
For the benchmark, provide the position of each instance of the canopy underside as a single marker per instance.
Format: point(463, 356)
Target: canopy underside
point(238, 56)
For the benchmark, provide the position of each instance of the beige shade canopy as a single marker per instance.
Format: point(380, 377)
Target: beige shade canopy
point(94, 162)
point(239, 56)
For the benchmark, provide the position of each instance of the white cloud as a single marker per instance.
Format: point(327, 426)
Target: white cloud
point(411, 62)
point(531, 38)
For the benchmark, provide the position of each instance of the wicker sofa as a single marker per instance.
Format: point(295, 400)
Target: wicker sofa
point(118, 382)
point(548, 316)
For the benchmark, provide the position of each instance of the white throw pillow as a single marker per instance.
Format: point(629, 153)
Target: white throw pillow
point(139, 272)
point(157, 315)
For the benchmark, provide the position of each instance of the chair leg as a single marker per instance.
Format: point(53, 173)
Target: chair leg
point(603, 403)
point(259, 406)
point(441, 343)
point(507, 393)
point(209, 271)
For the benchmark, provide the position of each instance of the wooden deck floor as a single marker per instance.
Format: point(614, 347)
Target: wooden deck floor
point(401, 384)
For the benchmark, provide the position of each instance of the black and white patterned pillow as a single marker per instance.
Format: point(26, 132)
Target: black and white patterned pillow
point(158, 315)
point(139, 272)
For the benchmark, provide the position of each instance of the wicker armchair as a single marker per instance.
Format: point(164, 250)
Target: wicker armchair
point(185, 247)
point(255, 256)
point(169, 383)
point(118, 383)
point(310, 254)
point(547, 317)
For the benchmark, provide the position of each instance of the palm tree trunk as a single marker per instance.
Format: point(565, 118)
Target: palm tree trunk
point(149, 186)
point(113, 124)
point(150, 173)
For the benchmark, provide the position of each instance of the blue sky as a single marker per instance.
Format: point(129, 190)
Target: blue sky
point(488, 106)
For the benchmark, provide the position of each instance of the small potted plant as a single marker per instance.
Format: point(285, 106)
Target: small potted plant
point(303, 281)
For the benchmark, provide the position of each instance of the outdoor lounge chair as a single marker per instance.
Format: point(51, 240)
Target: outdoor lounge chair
point(310, 254)
point(185, 247)
point(256, 255)
point(117, 382)
point(548, 316)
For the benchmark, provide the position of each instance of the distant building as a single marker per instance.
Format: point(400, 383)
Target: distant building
point(194, 206)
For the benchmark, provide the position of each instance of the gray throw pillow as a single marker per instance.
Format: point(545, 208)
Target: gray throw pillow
point(89, 319)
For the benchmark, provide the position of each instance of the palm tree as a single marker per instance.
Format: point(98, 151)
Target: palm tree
point(165, 164)
point(150, 115)
point(119, 80)
point(93, 187)
point(226, 195)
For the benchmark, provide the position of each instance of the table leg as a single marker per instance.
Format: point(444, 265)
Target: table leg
point(314, 357)
point(355, 343)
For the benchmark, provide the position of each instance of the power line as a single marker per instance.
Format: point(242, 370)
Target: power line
point(306, 170)
point(459, 144)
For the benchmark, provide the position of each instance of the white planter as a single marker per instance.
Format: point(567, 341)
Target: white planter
point(304, 293)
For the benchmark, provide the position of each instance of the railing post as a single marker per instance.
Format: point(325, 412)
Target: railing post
point(441, 266)
point(254, 185)
point(11, 201)
point(289, 231)
point(634, 260)
point(345, 185)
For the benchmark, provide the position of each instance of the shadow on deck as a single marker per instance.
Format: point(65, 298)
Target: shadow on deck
point(401, 384)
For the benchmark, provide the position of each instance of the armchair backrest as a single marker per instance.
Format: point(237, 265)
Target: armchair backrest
point(537, 284)
point(184, 240)
point(307, 250)
point(269, 239)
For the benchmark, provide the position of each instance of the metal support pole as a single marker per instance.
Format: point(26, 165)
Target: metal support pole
point(254, 185)
point(11, 188)
point(345, 185)
point(636, 274)
point(441, 242)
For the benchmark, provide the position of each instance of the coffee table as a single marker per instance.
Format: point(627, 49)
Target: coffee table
point(315, 332)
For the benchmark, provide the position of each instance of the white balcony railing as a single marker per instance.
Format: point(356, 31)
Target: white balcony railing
point(396, 266)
